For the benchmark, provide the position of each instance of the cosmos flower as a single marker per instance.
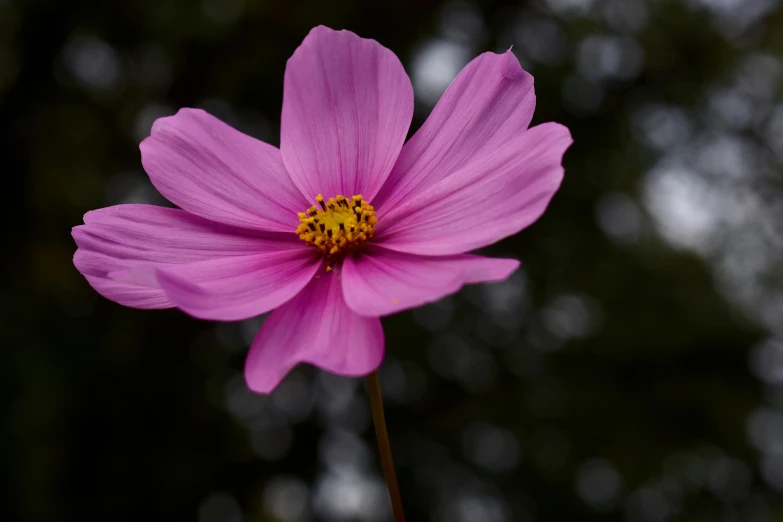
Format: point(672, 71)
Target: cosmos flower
point(345, 222)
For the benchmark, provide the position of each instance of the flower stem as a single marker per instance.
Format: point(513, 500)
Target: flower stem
point(384, 448)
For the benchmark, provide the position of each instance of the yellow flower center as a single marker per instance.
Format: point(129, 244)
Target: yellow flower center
point(339, 226)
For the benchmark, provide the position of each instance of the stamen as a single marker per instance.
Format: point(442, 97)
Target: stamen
point(340, 226)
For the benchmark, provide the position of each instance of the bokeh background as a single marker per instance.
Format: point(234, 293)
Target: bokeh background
point(631, 371)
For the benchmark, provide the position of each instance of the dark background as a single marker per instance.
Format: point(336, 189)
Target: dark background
point(632, 370)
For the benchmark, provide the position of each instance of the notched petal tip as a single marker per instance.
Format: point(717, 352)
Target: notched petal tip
point(321, 35)
point(266, 385)
point(512, 69)
point(160, 125)
point(99, 215)
point(503, 269)
point(558, 135)
point(77, 231)
point(322, 31)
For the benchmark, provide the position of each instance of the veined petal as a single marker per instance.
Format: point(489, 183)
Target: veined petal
point(495, 196)
point(381, 282)
point(318, 328)
point(169, 235)
point(490, 102)
point(237, 288)
point(95, 267)
point(347, 106)
point(214, 171)
point(116, 240)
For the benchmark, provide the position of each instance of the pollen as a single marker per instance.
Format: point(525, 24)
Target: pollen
point(339, 226)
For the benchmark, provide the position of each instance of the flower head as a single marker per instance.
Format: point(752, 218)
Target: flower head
point(391, 221)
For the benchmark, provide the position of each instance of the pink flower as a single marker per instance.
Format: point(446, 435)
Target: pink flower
point(393, 220)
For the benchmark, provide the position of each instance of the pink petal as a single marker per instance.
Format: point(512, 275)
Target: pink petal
point(315, 327)
point(114, 242)
point(236, 288)
point(347, 106)
point(495, 196)
point(210, 169)
point(95, 267)
point(490, 102)
point(382, 282)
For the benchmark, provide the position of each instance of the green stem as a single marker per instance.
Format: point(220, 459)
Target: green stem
point(384, 448)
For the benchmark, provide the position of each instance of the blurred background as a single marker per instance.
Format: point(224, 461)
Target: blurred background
point(631, 371)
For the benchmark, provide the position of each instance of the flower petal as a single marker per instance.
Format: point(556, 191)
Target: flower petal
point(127, 294)
point(237, 288)
point(315, 327)
point(214, 171)
point(114, 240)
point(381, 282)
point(495, 196)
point(490, 102)
point(347, 106)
